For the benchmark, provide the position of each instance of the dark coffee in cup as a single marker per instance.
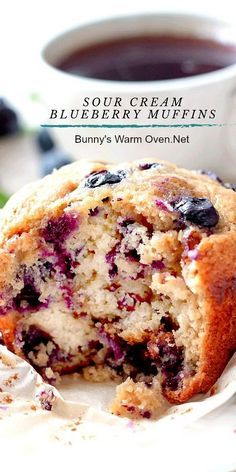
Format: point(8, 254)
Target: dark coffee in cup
point(147, 58)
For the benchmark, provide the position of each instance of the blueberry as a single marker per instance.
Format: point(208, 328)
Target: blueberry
point(28, 294)
point(53, 160)
point(138, 357)
point(146, 414)
point(171, 359)
point(198, 211)
point(96, 179)
point(147, 166)
point(114, 343)
point(46, 270)
point(94, 211)
point(230, 186)
point(51, 157)
point(132, 255)
point(45, 141)
point(211, 175)
point(126, 222)
point(8, 120)
point(168, 324)
point(33, 337)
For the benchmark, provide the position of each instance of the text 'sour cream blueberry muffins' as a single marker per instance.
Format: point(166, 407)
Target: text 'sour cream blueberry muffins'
point(122, 272)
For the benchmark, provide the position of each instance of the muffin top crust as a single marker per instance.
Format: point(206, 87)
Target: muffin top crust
point(143, 186)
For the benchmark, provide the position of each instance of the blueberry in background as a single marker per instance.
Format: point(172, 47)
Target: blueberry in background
point(212, 175)
point(45, 141)
point(215, 177)
point(230, 186)
point(9, 123)
point(50, 156)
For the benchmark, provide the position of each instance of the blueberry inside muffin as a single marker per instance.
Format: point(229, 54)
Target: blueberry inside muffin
point(125, 273)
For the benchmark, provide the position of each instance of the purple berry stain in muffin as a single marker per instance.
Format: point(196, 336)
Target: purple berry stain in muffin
point(29, 296)
point(57, 230)
point(110, 259)
point(114, 345)
point(163, 205)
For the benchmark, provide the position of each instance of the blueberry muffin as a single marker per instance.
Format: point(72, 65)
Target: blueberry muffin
point(122, 272)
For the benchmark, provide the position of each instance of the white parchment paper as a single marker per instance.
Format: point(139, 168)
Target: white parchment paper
point(76, 428)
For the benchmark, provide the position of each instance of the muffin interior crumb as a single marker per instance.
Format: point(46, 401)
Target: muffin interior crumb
point(106, 295)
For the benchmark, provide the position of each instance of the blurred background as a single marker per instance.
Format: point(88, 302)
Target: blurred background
point(25, 27)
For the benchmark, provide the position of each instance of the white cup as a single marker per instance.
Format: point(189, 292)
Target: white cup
point(206, 147)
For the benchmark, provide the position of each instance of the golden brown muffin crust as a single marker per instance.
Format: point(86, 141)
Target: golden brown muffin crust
point(211, 277)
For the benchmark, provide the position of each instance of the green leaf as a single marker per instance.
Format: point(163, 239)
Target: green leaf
point(3, 199)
